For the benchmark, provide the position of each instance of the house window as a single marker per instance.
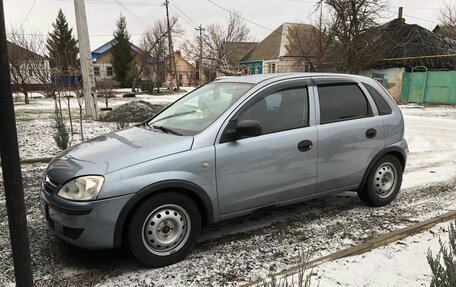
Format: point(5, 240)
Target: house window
point(109, 71)
point(96, 71)
point(180, 77)
point(30, 72)
point(272, 68)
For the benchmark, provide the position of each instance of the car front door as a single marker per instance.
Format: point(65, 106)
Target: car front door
point(277, 166)
point(349, 135)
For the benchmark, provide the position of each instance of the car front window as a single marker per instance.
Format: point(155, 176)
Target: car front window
point(199, 109)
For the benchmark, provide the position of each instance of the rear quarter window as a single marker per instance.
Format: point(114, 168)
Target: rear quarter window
point(382, 106)
point(340, 102)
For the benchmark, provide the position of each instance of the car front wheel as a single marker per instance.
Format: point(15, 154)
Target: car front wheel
point(164, 229)
point(383, 183)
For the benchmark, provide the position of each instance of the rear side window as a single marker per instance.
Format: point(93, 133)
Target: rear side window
point(342, 102)
point(382, 106)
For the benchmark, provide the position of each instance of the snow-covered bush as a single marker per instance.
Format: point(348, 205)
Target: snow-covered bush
point(61, 136)
point(443, 265)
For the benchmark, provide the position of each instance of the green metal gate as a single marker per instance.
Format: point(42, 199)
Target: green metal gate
point(436, 87)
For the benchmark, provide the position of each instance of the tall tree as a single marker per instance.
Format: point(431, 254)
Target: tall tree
point(121, 52)
point(448, 20)
point(352, 23)
point(62, 46)
point(150, 63)
point(220, 41)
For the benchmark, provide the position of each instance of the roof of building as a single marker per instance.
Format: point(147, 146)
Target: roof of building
point(178, 53)
point(409, 46)
point(237, 50)
point(107, 47)
point(16, 49)
point(445, 30)
point(276, 44)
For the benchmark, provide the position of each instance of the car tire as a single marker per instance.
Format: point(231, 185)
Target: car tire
point(164, 229)
point(383, 182)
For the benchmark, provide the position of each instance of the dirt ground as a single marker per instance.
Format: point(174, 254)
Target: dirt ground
point(242, 250)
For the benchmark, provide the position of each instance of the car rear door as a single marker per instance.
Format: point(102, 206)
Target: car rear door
point(350, 133)
point(278, 166)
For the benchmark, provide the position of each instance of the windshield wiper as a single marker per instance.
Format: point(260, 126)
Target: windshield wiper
point(167, 130)
point(175, 115)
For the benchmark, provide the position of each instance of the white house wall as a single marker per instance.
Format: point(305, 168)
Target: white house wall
point(393, 76)
point(282, 65)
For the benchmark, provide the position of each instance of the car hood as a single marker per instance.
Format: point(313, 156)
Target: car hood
point(113, 151)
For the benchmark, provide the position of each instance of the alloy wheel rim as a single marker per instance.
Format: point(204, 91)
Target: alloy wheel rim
point(166, 229)
point(385, 180)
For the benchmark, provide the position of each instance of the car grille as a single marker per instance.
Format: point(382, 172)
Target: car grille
point(50, 185)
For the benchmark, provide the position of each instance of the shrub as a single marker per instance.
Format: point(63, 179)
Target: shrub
point(443, 265)
point(61, 136)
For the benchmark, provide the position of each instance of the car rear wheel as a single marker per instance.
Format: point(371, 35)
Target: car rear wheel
point(383, 183)
point(164, 229)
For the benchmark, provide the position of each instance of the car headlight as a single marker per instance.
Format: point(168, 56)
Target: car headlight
point(82, 188)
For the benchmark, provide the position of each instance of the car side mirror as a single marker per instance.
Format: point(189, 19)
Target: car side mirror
point(248, 128)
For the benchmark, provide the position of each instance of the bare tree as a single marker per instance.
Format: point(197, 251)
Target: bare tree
point(150, 62)
point(105, 88)
point(77, 89)
point(353, 21)
point(21, 61)
point(448, 20)
point(314, 46)
point(215, 39)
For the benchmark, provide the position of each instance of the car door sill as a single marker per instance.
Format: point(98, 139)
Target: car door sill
point(288, 202)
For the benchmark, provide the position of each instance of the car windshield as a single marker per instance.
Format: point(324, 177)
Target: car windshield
point(199, 109)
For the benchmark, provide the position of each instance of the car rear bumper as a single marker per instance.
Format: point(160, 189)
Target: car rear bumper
point(88, 225)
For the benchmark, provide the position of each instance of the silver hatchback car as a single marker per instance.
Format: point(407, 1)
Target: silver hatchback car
point(226, 149)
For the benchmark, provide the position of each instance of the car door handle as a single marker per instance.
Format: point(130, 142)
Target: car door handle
point(371, 133)
point(305, 145)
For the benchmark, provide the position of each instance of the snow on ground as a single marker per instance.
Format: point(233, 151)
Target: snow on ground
point(401, 263)
point(251, 247)
point(432, 145)
point(38, 102)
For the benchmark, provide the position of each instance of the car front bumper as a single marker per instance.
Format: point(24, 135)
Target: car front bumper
point(89, 224)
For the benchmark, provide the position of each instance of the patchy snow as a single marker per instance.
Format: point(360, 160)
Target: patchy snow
point(401, 263)
point(250, 247)
point(432, 145)
point(38, 102)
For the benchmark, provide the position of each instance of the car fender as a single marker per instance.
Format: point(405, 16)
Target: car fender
point(192, 189)
point(388, 150)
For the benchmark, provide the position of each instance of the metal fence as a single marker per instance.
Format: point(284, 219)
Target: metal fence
point(434, 87)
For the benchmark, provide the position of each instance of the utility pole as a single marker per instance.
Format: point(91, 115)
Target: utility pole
point(11, 167)
point(201, 70)
point(172, 61)
point(91, 104)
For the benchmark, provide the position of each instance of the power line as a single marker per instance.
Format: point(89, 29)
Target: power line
point(413, 17)
point(183, 13)
point(30, 10)
point(418, 8)
point(136, 17)
point(239, 16)
point(111, 2)
point(185, 19)
point(95, 35)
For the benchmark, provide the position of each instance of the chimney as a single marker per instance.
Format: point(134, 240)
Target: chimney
point(400, 14)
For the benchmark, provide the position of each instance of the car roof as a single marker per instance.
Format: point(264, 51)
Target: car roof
point(255, 79)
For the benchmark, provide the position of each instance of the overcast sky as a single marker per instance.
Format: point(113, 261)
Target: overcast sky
point(102, 14)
